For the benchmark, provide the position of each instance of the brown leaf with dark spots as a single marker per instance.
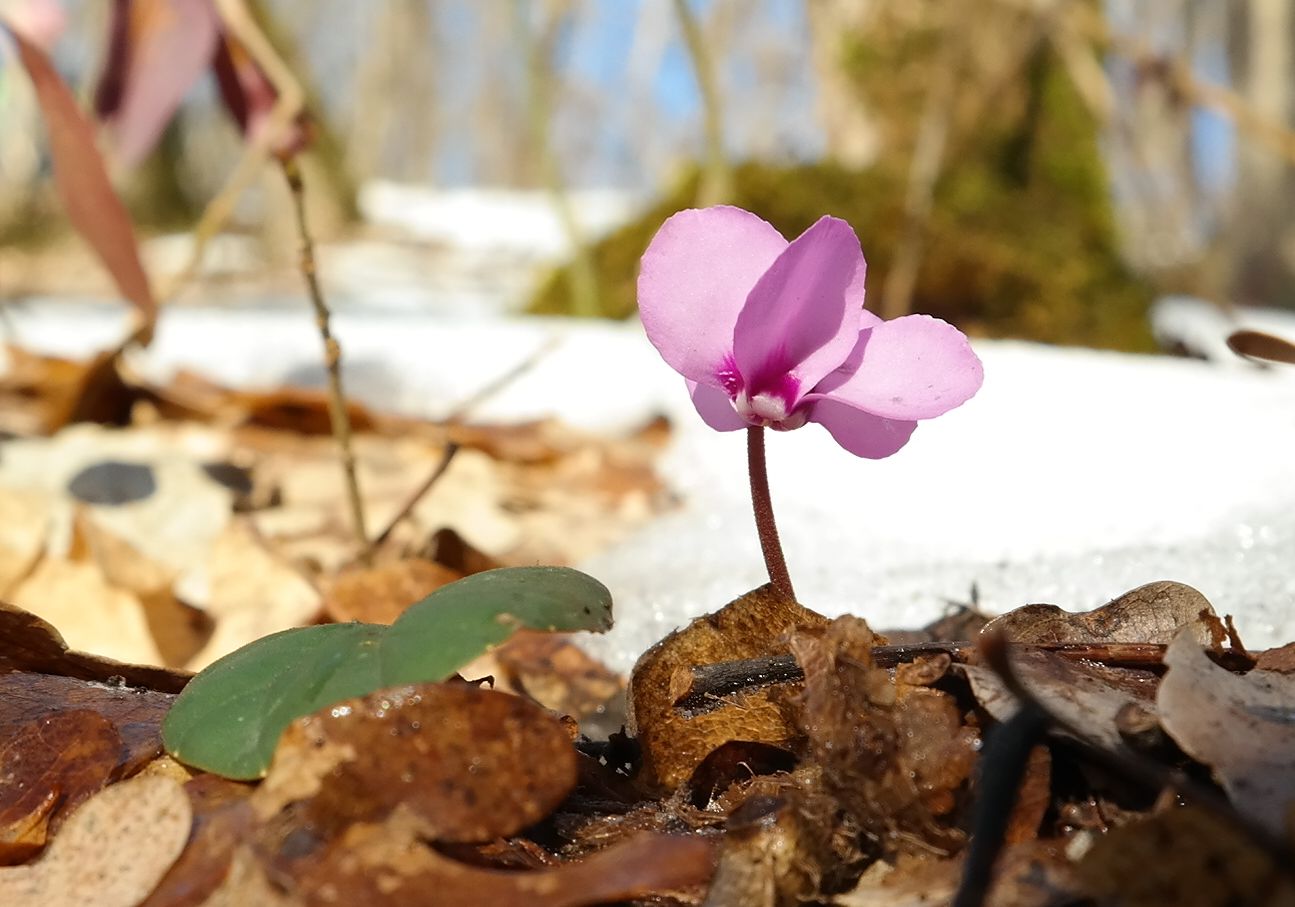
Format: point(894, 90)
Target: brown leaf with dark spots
point(83, 186)
point(1148, 614)
point(470, 764)
point(1182, 856)
point(380, 594)
point(1241, 726)
point(674, 744)
point(48, 767)
point(222, 821)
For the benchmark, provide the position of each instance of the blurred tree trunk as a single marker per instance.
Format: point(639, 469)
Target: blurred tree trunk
point(848, 123)
point(393, 134)
point(1263, 227)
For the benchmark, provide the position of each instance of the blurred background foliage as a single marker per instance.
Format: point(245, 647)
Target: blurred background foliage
point(1040, 170)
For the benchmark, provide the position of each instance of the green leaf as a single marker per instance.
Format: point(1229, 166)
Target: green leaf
point(462, 620)
point(229, 718)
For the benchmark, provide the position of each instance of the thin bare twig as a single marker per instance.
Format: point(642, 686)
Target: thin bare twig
point(289, 102)
point(338, 415)
point(421, 492)
point(493, 387)
point(923, 173)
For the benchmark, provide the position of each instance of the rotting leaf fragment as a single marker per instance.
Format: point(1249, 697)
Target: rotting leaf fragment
point(1242, 726)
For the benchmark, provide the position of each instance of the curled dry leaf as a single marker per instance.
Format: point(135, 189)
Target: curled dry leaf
point(674, 744)
point(110, 853)
point(1182, 856)
point(1148, 614)
point(1242, 726)
point(83, 186)
point(470, 764)
point(892, 754)
point(28, 643)
point(1088, 695)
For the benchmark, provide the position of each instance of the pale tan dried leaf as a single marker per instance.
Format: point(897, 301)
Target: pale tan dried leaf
point(253, 594)
point(24, 524)
point(1242, 726)
point(91, 615)
point(110, 853)
point(1148, 614)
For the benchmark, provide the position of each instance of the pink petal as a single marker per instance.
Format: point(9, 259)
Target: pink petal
point(715, 407)
point(861, 433)
point(799, 318)
point(915, 367)
point(694, 279)
point(168, 46)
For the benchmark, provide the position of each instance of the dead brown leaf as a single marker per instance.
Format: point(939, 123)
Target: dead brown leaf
point(110, 853)
point(1087, 694)
point(49, 766)
point(28, 643)
point(1182, 856)
point(135, 713)
point(386, 865)
point(558, 674)
point(1148, 614)
point(1280, 660)
point(380, 594)
point(674, 744)
point(777, 847)
point(222, 820)
point(892, 755)
point(470, 764)
point(1242, 726)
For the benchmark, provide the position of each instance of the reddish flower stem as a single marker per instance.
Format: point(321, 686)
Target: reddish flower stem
point(774, 561)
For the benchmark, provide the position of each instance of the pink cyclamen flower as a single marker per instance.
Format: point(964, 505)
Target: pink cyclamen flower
point(774, 334)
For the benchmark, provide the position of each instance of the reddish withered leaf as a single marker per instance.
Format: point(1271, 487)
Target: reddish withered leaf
point(88, 197)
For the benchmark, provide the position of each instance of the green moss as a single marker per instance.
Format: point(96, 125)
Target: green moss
point(1021, 242)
